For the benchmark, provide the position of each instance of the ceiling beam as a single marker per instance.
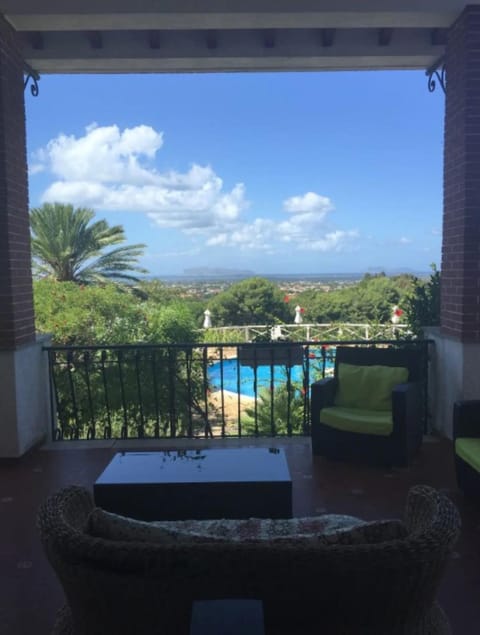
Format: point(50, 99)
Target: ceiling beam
point(95, 39)
point(438, 37)
point(225, 64)
point(153, 38)
point(211, 40)
point(36, 40)
point(243, 49)
point(269, 38)
point(103, 15)
point(327, 36)
point(384, 36)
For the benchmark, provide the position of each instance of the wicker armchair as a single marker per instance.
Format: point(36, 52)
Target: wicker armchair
point(395, 447)
point(466, 434)
point(379, 588)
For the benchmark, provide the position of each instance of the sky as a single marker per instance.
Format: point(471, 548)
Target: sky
point(287, 173)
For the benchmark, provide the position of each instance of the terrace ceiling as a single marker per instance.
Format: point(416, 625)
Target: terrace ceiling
point(142, 36)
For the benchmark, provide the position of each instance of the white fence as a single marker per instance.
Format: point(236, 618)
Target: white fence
point(307, 332)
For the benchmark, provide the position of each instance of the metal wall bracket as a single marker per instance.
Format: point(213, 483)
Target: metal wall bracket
point(33, 76)
point(436, 73)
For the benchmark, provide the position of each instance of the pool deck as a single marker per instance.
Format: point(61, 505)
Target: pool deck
point(231, 404)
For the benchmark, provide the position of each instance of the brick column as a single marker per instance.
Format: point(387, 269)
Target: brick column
point(16, 297)
point(24, 388)
point(460, 303)
point(455, 368)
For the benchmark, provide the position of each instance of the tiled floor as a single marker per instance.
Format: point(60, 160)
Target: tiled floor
point(30, 593)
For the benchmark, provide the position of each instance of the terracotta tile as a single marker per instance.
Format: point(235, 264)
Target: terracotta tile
point(30, 593)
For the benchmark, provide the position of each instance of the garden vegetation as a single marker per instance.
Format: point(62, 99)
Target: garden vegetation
point(87, 294)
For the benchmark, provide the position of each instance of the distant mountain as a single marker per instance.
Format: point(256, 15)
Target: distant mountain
point(217, 271)
point(397, 272)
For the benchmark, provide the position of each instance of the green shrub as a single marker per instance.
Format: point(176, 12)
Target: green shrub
point(287, 404)
point(422, 305)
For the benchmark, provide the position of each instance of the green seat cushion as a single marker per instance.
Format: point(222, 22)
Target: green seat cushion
point(356, 420)
point(368, 387)
point(468, 449)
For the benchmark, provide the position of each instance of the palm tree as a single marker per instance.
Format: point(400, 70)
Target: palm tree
point(288, 409)
point(67, 246)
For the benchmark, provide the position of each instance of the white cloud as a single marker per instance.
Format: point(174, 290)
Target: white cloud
point(103, 155)
point(307, 226)
point(334, 241)
point(306, 229)
point(35, 168)
point(260, 235)
point(309, 203)
point(403, 240)
point(110, 169)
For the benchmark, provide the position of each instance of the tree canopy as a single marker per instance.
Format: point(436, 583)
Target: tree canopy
point(370, 300)
point(69, 247)
point(252, 301)
point(102, 315)
point(422, 305)
point(260, 301)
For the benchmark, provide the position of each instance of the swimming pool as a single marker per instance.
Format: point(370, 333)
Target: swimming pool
point(233, 372)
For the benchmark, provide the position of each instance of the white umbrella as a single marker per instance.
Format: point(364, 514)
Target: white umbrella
point(207, 322)
point(298, 315)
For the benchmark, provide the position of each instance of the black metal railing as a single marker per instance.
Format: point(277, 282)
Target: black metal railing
point(192, 390)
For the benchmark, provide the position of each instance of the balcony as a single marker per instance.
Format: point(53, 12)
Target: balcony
point(31, 594)
point(104, 400)
point(196, 390)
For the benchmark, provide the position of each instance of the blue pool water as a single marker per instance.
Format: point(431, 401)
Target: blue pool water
point(264, 376)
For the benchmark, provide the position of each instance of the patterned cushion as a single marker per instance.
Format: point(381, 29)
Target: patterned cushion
point(326, 529)
point(368, 533)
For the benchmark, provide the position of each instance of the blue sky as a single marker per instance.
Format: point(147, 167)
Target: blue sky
point(271, 172)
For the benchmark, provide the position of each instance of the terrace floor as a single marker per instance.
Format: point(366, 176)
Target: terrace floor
point(30, 593)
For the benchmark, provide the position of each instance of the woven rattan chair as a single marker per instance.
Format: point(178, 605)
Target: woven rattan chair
point(399, 446)
point(384, 588)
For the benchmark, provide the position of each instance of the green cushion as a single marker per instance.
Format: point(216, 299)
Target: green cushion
point(469, 450)
point(368, 387)
point(355, 420)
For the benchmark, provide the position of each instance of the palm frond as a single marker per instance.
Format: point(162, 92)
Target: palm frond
point(68, 246)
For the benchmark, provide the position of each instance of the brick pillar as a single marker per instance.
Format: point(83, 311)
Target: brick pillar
point(460, 302)
point(24, 388)
point(456, 357)
point(16, 297)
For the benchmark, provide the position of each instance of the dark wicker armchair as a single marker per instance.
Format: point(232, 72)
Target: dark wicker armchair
point(397, 444)
point(466, 434)
point(376, 588)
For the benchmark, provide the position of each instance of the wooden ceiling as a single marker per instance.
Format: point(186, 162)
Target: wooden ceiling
point(146, 36)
